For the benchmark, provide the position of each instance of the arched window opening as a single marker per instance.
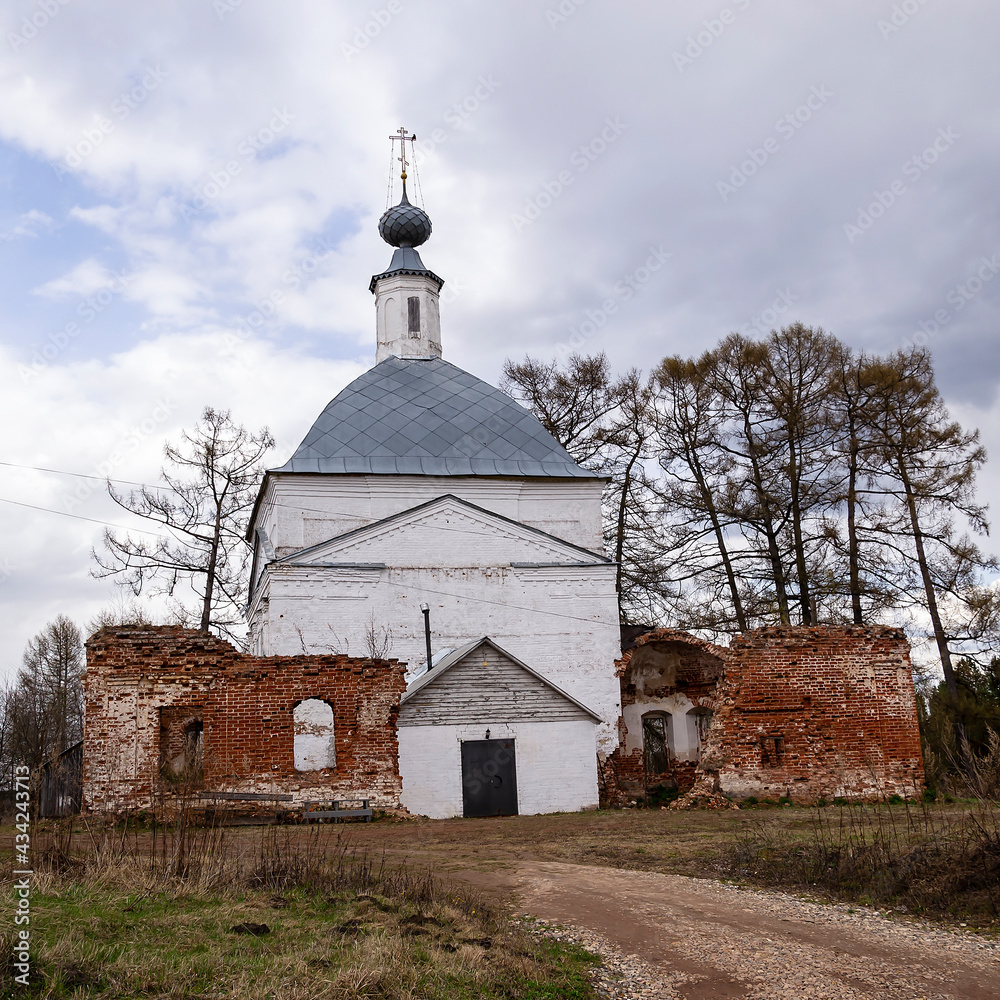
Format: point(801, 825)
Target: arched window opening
point(699, 723)
point(194, 742)
point(657, 742)
point(314, 745)
point(181, 744)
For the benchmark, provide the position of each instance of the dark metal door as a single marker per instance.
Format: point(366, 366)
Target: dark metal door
point(489, 778)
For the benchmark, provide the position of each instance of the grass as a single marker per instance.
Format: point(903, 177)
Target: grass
point(272, 914)
point(939, 862)
point(131, 911)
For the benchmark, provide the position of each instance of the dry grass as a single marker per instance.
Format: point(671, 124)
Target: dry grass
point(268, 913)
point(940, 860)
point(914, 859)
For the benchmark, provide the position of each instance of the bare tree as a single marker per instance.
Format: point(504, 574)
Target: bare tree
point(572, 403)
point(203, 507)
point(605, 424)
point(779, 480)
point(695, 470)
point(797, 385)
point(757, 498)
point(927, 464)
point(45, 705)
point(378, 639)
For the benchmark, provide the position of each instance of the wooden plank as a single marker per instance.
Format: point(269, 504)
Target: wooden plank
point(335, 813)
point(246, 796)
point(501, 691)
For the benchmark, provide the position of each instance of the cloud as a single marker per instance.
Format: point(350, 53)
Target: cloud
point(112, 418)
point(87, 277)
point(231, 160)
point(28, 224)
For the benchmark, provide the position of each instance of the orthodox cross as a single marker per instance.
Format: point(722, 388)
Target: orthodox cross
point(402, 136)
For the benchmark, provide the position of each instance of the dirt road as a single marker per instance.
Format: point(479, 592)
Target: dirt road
point(672, 936)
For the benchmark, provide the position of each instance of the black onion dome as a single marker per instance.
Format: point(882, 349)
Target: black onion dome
point(405, 225)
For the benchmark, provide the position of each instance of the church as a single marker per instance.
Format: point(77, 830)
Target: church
point(420, 486)
point(434, 629)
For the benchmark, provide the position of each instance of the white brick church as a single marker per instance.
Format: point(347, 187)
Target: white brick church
point(420, 484)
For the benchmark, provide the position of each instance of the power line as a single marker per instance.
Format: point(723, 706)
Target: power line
point(80, 517)
point(129, 482)
point(76, 475)
point(497, 604)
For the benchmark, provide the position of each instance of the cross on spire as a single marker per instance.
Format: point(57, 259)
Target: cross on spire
point(402, 136)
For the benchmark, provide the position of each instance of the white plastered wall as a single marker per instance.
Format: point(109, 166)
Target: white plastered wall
point(683, 728)
point(556, 766)
point(561, 621)
point(300, 510)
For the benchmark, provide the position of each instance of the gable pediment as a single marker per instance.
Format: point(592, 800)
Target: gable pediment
point(482, 683)
point(447, 531)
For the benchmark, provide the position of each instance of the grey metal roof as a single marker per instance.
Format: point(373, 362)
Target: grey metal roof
point(426, 417)
point(405, 260)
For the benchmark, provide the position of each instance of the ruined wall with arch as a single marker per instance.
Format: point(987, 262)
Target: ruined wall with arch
point(170, 709)
point(803, 712)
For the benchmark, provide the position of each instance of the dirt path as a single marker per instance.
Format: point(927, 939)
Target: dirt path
point(671, 936)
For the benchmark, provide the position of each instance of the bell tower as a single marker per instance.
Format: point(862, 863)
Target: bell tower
point(407, 308)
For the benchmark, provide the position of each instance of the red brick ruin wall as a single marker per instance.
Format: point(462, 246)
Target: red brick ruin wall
point(817, 711)
point(141, 679)
point(806, 712)
point(695, 667)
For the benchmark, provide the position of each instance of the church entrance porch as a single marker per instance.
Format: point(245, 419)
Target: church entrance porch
point(489, 778)
point(483, 734)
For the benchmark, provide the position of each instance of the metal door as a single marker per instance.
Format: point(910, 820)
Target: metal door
point(489, 778)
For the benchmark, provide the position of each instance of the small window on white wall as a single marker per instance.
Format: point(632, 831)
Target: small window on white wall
point(314, 743)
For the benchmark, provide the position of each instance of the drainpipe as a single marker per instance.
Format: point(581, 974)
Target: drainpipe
point(426, 611)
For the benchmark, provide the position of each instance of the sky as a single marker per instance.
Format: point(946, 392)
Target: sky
point(190, 191)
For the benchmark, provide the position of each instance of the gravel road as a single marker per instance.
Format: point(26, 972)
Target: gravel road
point(670, 936)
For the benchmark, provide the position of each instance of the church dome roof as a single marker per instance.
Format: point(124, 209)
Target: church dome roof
point(428, 417)
point(405, 225)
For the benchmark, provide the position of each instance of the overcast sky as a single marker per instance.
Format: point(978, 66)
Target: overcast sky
point(190, 193)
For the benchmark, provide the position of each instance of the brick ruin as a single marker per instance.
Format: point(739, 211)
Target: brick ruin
point(802, 712)
point(169, 708)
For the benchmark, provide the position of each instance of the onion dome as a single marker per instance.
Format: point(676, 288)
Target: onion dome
point(405, 225)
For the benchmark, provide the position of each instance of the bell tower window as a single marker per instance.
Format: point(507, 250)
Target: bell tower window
point(413, 315)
